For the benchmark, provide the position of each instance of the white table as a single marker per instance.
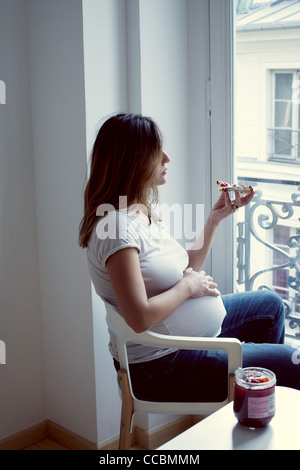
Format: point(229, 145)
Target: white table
point(221, 431)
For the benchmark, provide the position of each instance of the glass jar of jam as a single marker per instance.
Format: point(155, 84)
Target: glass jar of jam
point(254, 396)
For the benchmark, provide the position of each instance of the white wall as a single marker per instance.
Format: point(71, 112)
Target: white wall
point(85, 60)
point(58, 115)
point(22, 393)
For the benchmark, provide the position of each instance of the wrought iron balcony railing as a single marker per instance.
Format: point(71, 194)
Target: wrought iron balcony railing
point(268, 245)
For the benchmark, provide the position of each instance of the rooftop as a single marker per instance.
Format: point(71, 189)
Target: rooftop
point(253, 15)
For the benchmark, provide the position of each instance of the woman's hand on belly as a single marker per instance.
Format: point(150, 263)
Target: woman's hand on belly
point(200, 283)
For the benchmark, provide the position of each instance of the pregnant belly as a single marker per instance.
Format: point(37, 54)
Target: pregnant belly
point(197, 317)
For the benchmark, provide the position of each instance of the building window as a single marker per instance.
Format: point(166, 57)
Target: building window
point(284, 133)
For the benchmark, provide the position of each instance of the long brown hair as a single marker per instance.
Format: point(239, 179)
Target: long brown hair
point(126, 153)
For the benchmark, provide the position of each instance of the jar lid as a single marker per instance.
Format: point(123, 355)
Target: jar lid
point(255, 378)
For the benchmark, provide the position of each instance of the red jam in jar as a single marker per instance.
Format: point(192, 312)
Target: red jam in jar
point(254, 397)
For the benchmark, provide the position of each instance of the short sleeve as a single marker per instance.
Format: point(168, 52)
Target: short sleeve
point(115, 232)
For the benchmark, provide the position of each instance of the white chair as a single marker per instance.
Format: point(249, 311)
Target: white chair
point(130, 404)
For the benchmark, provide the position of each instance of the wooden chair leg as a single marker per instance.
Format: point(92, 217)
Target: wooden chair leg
point(127, 411)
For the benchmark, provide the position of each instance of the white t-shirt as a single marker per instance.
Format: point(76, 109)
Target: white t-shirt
point(162, 261)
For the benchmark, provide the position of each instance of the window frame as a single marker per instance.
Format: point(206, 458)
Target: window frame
point(271, 155)
point(222, 19)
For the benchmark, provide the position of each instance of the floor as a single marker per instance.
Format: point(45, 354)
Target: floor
point(51, 444)
point(46, 444)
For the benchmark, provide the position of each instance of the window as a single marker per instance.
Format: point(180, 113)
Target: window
point(266, 129)
point(284, 133)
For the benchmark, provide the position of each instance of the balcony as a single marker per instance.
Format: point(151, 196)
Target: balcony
point(268, 245)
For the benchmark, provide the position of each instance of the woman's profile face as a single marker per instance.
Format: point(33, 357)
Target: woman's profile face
point(161, 175)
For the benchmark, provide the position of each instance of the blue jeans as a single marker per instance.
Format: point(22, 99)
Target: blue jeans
point(256, 319)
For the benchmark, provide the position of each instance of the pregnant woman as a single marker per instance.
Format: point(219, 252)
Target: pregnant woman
point(154, 283)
